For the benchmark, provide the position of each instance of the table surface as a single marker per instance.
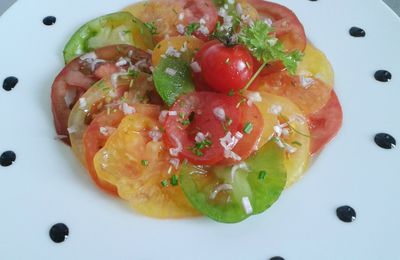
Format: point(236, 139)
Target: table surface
point(394, 4)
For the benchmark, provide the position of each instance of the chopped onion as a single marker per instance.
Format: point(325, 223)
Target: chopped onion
point(170, 71)
point(178, 149)
point(195, 67)
point(70, 96)
point(275, 109)
point(155, 135)
point(219, 112)
point(253, 97)
point(128, 110)
point(175, 162)
point(247, 205)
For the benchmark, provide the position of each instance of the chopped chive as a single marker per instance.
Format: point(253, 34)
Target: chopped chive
point(228, 120)
point(261, 175)
point(231, 93)
point(181, 115)
point(164, 183)
point(185, 122)
point(145, 162)
point(174, 180)
point(296, 143)
point(248, 127)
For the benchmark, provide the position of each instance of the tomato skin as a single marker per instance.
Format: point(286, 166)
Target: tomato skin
point(248, 144)
point(287, 26)
point(77, 76)
point(94, 140)
point(325, 123)
point(202, 105)
point(224, 68)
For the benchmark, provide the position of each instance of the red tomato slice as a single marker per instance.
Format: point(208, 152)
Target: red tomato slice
point(248, 144)
point(309, 99)
point(287, 26)
point(200, 104)
point(195, 10)
point(325, 123)
point(79, 75)
point(97, 134)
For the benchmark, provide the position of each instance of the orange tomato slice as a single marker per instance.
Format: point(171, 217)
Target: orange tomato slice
point(137, 165)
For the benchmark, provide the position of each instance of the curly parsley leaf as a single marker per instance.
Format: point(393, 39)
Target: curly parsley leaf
point(266, 48)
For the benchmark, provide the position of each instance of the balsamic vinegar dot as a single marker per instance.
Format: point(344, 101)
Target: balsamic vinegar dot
point(7, 158)
point(59, 232)
point(49, 20)
point(383, 75)
point(10, 83)
point(357, 32)
point(385, 141)
point(346, 214)
point(278, 257)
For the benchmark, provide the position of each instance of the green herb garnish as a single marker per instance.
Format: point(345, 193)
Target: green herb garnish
point(262, 175)
point(199, 146)
point(191, 28)
point(174, 180)
point(248, 127)
point(152, 27)
point(164, 183)
point(145, 162)
point(266, 48)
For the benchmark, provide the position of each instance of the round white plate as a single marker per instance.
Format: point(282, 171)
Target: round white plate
point(47, 185)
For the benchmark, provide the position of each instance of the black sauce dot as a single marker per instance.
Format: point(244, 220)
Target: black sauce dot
point(357, 32)
point(49, 20)
point(278, 257)
point(385, 141)
point(383, 75)
point(346, 214)
point(7, 158)
point(311, 1)
point(59, 232)
point(10, 83)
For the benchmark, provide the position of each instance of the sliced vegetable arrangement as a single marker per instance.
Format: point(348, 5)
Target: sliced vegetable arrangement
point(186, 108)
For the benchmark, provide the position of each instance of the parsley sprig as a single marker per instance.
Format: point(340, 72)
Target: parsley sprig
point(266, 48)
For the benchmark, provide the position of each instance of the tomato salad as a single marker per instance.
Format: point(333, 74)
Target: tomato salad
point(186, 108)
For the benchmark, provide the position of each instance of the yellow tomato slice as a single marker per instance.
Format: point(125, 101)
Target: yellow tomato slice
point(186, 45)
point(137, 165)
point(280, 111)
point(162, 13)
point(315, 64)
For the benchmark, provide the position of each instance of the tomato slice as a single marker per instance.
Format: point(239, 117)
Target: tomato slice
point(115, 28)
point(285, 123)
point(310, 98)
point(250, 117)
point(138, 165)
point(325, 124)
point(232, 194)
point(98, 132)
point(166, 15)
point(81, 73)
point(193, 115)
point(287, 26)
point(104, 96)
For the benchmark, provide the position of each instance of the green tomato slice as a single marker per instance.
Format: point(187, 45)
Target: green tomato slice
point(232, 194)
point(172, 78)
point(115, 28)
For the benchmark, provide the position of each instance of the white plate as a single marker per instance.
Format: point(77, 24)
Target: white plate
point(47, 185)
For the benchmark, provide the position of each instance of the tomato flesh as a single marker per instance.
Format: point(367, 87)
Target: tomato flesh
point(138, 165)
point(200, 105)
point(221, 193)
point(325, 124)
